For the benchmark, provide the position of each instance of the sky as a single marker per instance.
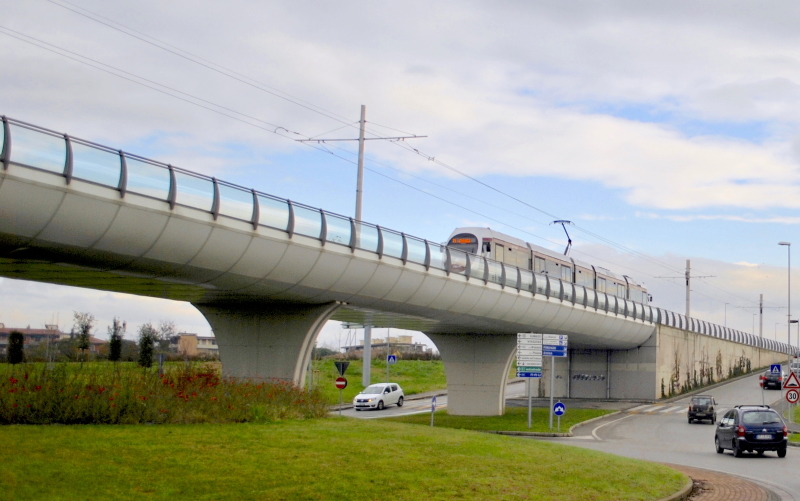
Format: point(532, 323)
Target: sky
point(662, 131)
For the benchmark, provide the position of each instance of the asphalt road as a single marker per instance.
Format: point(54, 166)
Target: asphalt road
point(661, 433)
point(417, 405)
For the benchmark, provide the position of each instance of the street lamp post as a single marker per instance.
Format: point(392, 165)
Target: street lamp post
point(789, 299)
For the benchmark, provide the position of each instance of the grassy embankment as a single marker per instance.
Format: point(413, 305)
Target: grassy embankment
point(414, 376)
point(515, 419)
point(320, 459)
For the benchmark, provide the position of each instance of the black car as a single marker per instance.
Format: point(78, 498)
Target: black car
point(751, 428)
point(702, 407)
point(772, 380)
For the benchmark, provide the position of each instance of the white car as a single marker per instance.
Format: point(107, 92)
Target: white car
point(378, 396)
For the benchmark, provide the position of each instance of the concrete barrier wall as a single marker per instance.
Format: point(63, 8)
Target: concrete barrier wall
point(686, 359)
point(670, 362)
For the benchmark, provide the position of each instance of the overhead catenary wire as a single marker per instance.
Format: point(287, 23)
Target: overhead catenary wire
point(310, 106)
point(331, 115)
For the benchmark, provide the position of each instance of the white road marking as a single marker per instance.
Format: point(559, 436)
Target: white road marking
point(594, 431)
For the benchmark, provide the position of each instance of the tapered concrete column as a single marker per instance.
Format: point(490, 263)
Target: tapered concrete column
point(266, 341)
point(477, 368)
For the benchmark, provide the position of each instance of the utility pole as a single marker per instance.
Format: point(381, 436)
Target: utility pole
point(688, 288)
point(362, 123)
point(688, 276)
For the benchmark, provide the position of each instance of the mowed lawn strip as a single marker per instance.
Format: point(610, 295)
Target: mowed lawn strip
point(515, 419)
point(325, 459)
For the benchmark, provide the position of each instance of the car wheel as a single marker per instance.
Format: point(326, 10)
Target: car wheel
point(781, 453)
point(737, 452)
point(720, 450)
point(357, 410)
point(760, 453)
point(400, 402)
point(690, 420)
point(713, 419)
point(380, 405)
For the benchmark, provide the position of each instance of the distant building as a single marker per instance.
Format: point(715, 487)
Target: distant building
point(32, 337)
point(192, 345)
point(50, 334)
point(398, 344)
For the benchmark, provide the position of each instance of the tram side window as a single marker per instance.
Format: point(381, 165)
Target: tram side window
point(566, 274)
point(601, 284)
point(621, 291)
point(538, 265)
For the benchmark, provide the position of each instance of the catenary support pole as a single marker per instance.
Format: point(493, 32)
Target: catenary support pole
point(366, 373)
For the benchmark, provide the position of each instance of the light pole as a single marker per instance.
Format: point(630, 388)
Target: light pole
point(789, 299)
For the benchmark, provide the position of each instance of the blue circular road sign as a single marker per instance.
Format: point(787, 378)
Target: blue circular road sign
point(559, 409)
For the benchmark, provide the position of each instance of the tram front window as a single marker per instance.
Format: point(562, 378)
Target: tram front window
point(464, 242)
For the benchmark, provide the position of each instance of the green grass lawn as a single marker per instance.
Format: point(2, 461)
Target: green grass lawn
point(324, 459)
point(414, 376)
point(515, 419)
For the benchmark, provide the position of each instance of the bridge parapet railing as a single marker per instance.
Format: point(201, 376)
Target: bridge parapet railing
point(34, 147)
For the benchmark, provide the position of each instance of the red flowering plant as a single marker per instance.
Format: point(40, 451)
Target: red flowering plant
point(100, 393)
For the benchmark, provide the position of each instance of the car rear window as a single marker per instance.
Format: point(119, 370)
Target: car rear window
point(702, 401)
point(761, 417)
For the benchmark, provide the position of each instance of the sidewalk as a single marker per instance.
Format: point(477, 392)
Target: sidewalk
point(714, 486)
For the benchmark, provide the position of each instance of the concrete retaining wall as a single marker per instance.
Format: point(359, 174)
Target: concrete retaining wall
point(675, 358)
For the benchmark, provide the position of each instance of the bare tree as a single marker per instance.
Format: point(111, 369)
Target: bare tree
point(166, 331)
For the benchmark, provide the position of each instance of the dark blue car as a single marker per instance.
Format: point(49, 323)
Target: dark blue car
point(751, 428)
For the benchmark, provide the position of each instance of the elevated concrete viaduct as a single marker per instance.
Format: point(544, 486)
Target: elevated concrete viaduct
point(267, 273)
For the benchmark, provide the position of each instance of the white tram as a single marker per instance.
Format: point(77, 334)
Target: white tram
point(512, 251)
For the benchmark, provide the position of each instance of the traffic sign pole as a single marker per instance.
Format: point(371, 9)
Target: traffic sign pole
point(552, 387)
point(530, 403)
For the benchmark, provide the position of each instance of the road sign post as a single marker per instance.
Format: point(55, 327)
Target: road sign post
point(433, 408)
point(341, 383)
point(390, 360)
point(553, 345)
point(529, 361)
point(792, 387)
point(559, 409)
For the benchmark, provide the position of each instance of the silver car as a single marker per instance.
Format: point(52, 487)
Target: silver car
point(378, 396)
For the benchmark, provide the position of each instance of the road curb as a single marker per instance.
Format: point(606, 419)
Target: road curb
point(548, 433)
point(682, 494)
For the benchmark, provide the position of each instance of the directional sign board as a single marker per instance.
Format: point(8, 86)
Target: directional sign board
point(554, 345)
point(792, 396)
point(559, 409)
point(529, 355)
point(775, 369)
point(791, 383)
point(391, 359)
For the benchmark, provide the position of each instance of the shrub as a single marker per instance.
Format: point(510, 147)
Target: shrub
point(16, 347)
point(70, 395)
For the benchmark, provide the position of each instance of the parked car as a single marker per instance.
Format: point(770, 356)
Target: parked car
point(772, 380)
point(702, 407)
point(796, 367)
point(751, 428)
point(378, 396)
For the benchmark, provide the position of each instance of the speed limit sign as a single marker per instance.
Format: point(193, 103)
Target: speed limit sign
point(792, 396)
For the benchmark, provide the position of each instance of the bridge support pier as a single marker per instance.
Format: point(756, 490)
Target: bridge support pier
point(266, 341)
point(477, 368)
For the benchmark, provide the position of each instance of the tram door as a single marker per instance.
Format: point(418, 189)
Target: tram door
point(499, 252)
